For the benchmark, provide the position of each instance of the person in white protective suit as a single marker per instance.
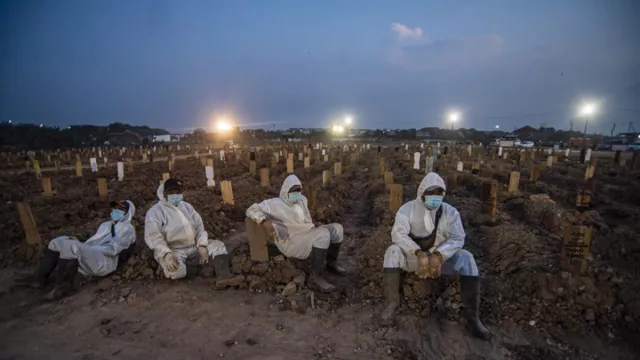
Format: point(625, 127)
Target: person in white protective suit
point(428, 237)
point(288, 221)
point(175, 232)
point(98, 256)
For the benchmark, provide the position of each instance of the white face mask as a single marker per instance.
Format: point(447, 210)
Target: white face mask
point(295, 196)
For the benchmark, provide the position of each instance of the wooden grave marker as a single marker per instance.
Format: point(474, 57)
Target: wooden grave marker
point(227, 192)
point(103, 191)
point(46, 186)
point(535, 174)
point(395, 197)
point(312, 197)
point(326, 177)
point(78, 168)
point(290, 165)
point(489, 197)
point(28, 224)
point(265, 181)
point(514, 181)
point(575, 249)
point(36, 168)
point(388, 177)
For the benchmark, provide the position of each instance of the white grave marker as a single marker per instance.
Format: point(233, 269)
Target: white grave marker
point(209, 173)
point(416, 160)
point(120, 170)
point(94, 164)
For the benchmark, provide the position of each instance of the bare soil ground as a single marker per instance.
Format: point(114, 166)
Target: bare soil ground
point(534, 309)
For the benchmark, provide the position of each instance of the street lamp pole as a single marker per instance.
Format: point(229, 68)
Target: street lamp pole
point(584, 134)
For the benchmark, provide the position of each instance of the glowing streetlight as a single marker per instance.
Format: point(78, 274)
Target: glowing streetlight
point(348, 120)
point(453, 118)
point(587, 110)
point(497, 126)
point(223, 126)
point(40, 125)
point(9, 121)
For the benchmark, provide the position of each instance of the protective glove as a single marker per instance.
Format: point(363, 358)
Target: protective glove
point(272, 235)
point(170, 262)
point(423, 264)
point(435, 265)
point(203, 255)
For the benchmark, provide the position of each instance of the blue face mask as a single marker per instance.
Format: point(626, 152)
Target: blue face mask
point(295, 197)
point(116, 214)
point(433, 201)
point(174, 199)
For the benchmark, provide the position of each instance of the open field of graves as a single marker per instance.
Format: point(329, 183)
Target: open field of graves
point(556, 239)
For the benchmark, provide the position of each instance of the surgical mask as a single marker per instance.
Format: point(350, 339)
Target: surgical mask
point(295, 197)
point(116, 214)
point(433, 201)
point(174, 199)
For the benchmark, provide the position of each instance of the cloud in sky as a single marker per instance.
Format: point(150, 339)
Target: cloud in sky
point(403, 32)
point(413, 51)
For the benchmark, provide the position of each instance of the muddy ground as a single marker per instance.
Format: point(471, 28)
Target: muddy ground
point(534, 308)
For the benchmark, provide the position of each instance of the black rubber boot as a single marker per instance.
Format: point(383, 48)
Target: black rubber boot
point(224, 277)
point(391, 286)
point(318, 264)
point(332, 259)
point(65, 275)
point(470, 291)
point(126, 254)
point(39, 278)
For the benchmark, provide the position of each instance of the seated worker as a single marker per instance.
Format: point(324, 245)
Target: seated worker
point(289, 223)
point(98, 256)
point(173, 229)
point(427, 238)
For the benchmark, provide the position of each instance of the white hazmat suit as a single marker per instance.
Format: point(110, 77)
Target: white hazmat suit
point(177, 229)
point(98, 256)
point(296, 233)
point(415, 220)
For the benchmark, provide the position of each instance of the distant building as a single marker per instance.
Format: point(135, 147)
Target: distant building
point(162, 138)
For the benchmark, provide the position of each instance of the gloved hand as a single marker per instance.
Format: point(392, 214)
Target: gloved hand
point(423, 264)
point(203, 255)
point(170, 262)
point(272, 235)
point(435, 265)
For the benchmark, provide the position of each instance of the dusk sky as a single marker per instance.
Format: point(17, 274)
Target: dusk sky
point(390, 64)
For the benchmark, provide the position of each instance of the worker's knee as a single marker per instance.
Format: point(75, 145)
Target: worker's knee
point(336, 233)
point(393, 257)
point(322, 238)
point(180, 273)
point(216, 247)
point(466, 263)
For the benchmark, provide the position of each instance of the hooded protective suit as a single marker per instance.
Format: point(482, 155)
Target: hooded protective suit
point(296, 232)
point(415, 220)
point(178, 229)
point(98, 256)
